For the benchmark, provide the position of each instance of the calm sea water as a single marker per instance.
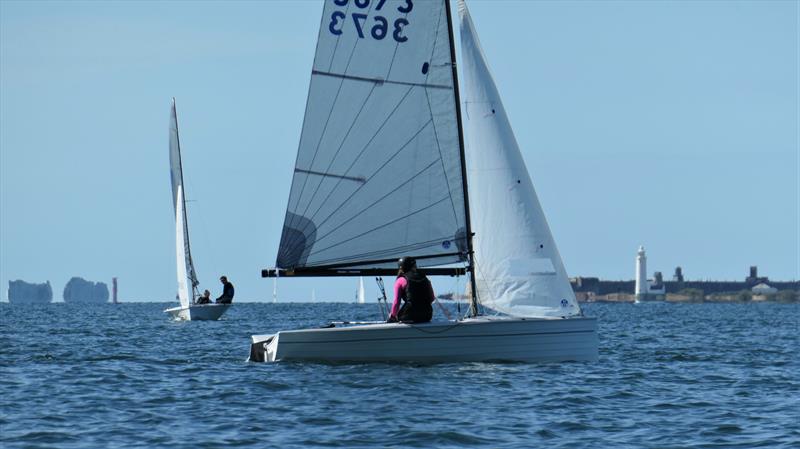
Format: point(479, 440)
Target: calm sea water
point(689, 375)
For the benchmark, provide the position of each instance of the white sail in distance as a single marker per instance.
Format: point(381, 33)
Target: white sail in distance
point(518, 268)
point(362, 297)
point(378, 172)
point(176, 178)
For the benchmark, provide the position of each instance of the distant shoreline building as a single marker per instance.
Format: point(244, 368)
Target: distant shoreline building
point(643, 289)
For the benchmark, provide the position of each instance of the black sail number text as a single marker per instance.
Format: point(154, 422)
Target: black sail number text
point(377, 28)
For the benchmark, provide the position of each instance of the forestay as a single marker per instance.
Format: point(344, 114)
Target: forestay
point(378, 170)
point(519, 269)
point(178, 192)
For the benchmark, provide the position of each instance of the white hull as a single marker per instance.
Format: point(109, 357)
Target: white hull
point(199, 312)
point(472, 340)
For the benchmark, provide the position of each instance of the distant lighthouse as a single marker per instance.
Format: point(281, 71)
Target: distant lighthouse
point(642, 287)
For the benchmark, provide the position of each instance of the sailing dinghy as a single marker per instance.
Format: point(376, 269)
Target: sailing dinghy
point(186, 273)
point(361, 296)
point(382, 173)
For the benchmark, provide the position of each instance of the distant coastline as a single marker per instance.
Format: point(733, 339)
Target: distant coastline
point(752, 288)
point(592, 289)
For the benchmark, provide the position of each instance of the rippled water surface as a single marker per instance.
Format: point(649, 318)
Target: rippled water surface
point(688, 375)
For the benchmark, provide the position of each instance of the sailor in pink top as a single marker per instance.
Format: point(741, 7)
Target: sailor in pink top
point(415, 289)
point(399, 291)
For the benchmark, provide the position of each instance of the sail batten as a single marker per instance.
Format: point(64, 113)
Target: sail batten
point(378, 173)
point(380, 80)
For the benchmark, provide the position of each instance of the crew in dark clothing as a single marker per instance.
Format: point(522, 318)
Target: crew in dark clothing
point(205, 299)
point(227, 291)
point(416, 292)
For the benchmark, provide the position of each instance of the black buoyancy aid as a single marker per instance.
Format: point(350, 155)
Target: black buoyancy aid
point(418, 296)
point(418, 289)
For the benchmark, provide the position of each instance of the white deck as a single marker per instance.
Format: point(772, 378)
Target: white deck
point(199, 312)
point(477, 339)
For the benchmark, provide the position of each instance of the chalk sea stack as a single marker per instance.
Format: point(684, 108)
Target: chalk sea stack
point(79, 290)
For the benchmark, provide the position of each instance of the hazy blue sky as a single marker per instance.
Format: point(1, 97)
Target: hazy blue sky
point(672, 124)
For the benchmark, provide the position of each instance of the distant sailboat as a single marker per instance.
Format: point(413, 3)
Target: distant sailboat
point(382, 173)
point(360, 294)
point(186, 273)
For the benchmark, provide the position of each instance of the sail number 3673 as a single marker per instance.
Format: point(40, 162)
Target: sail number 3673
point(378, 28)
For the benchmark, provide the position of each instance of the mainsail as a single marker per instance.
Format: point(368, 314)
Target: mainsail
point(178, 192)
point(518, 268)
point(378, 172)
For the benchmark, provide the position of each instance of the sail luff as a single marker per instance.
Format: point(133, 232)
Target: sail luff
point(176, 170)
point(289, 217)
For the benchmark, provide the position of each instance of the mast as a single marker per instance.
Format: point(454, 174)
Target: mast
point(473, 300)
point(192, 273)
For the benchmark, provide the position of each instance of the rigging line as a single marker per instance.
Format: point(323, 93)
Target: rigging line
point(346, 200)
point(361, 153)
point(341, 145)
point(413, 176)
point(327, 120)
point(441, 158)
point(396, 249)
point(380, 227)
